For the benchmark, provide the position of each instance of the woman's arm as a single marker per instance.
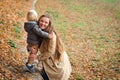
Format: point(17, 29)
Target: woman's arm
point(51, 48)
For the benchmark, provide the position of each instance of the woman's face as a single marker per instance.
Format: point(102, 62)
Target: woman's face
point(44, 22)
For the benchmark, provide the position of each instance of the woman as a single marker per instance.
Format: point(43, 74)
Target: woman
point(55, 61)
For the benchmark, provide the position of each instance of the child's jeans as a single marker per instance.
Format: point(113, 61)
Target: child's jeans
point(33, 49)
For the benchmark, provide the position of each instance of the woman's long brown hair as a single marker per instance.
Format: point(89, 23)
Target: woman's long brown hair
point(59, 45)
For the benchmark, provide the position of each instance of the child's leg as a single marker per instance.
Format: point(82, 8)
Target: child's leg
point(32, 57)
point(33, 54)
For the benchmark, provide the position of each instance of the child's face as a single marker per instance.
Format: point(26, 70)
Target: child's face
point(44, 22)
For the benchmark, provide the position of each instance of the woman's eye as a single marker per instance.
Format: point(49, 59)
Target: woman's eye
point(41, 21)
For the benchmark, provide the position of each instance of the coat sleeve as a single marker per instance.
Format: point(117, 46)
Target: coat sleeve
point(39, 32)
point(51, 50)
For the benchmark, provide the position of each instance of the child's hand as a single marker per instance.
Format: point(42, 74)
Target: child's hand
point(34, 50)
point(50, 35)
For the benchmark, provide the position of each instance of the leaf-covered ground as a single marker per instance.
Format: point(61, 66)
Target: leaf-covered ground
point(90, 30)
point(12, 38)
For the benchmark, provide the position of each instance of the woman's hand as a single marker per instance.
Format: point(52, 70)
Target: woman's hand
point(50, 35)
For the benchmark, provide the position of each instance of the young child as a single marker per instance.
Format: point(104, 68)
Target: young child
point(34, 38)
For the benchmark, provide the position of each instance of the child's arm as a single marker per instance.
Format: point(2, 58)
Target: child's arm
point(40, 33)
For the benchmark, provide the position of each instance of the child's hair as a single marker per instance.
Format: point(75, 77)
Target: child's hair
point(32, 15)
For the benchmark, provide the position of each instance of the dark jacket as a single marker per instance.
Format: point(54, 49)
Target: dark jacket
point(35, 34)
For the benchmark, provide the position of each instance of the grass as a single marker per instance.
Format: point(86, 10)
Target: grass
point(117, 54)
point(12, 43)
point(79, 77)
point(81, 8)
point(117, 15)
point(110, 1)
point(66, 2)
point(21, 14)
point(78, 25)
point(1, 22)
point(59, 20)
point(53, 13)
point(17, 29)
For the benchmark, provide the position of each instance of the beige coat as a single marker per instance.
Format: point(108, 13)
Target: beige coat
point(56, 70)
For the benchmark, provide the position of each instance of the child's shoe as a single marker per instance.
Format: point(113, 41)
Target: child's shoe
point(29, 68)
